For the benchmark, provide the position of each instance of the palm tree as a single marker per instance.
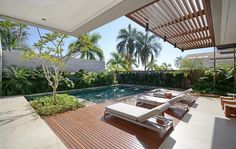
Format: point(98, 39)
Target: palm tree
point(117, 62)
point(147, 48)
point(152, 66)
point(87, 47)
point(178, 61)
point(191, 67)
point(164, 66)
point(126, 45)
point(13, 35)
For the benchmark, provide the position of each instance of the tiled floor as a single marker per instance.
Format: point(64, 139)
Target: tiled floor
point(22, 128)
point(203, 127)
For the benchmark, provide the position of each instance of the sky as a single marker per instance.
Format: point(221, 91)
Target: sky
point(108, 41)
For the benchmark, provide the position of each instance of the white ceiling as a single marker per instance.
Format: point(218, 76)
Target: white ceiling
point(68, 16)
point(224, 21)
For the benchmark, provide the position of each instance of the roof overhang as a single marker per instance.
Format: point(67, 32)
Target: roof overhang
point(72, 17)
point(185, 24)
point(224, 14)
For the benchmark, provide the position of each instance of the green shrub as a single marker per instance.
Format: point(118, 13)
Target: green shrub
point(224, 82)
point(160, 78)
point(22, 81)
point(64, 102)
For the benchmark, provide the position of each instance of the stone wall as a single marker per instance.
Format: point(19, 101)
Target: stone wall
point(73, 65)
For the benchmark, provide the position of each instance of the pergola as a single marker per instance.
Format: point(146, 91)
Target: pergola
point(186, 24)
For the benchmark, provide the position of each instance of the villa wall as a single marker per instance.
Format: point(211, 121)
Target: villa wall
point(73, 65)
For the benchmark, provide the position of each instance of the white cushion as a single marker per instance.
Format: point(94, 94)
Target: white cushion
point(136, 113)
point(152, 100)
point(126, 110)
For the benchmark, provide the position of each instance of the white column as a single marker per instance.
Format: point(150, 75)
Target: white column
point(0, 68)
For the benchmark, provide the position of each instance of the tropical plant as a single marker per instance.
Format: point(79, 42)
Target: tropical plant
point(191, 68)
point(178, 61)
point(87, 47)
point(52, 58)
point(16, 80)
point(126, 45)
point(45, 107)
point(152, 66)
point(147, 48)
point(117, 62)
point(13, 35)
point(224, 81)
point(164, 67)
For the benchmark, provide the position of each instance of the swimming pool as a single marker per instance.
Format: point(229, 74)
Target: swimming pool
point(102, 94)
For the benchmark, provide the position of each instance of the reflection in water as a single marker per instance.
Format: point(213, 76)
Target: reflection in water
point(106, 93)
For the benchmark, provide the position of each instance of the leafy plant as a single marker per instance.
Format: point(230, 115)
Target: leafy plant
point(87, 47)
point(192, 68)
point(224, 81)
point(178, 61)
point(45, 107)
point(126, 45)
point(52, 57)
point(117, 62)
point(16, 81)
point(13, 35)
point(147, 48)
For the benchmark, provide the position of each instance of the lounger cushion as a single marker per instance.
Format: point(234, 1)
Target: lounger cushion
point(153, 112)
point(126, 110)
point(151, 100)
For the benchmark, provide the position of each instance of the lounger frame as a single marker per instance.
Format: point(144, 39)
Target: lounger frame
point(161, 129)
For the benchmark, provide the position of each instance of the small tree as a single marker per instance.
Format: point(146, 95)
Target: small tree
point(191, 68)
point(50, 53)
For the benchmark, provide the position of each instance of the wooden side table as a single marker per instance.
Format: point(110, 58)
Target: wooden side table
point(230, 110)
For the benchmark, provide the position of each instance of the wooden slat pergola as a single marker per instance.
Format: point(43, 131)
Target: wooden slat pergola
point(186, 24)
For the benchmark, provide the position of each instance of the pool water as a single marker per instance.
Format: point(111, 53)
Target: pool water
point(107, 93)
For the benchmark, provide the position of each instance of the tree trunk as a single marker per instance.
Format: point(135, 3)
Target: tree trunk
point(54, 98)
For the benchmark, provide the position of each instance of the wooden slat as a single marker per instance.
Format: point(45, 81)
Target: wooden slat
point(182, 22)
point(207, 7)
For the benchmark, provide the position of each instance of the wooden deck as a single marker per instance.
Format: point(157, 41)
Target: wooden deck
point(86, 128)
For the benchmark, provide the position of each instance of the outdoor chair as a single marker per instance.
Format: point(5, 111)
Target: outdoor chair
point(156, 101)
point(225, 98)
point(149, 118)
point(230, 110)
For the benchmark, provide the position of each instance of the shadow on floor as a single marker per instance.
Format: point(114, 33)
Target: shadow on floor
point(224, 133)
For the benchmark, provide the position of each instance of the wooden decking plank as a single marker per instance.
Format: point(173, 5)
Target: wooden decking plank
point(86, 128)
point(74, 142)
point(89, 138)
point(56, 128)
point(77, 131)
point(110, 133)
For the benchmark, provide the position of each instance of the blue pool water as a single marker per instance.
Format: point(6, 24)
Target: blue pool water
point(107, 93)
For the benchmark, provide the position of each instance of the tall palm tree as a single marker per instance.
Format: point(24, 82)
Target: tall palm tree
point(117, 62)
point(13, 35)
point(126, 45)
point(147, 48)
point(178, 61)
point(87, 46)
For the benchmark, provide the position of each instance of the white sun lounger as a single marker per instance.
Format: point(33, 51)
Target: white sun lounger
point(142, 116)
point(161, 93)
point(156, 101)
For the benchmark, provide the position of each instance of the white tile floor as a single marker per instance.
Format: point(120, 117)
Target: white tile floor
point(203, 127)
point(22, 128)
